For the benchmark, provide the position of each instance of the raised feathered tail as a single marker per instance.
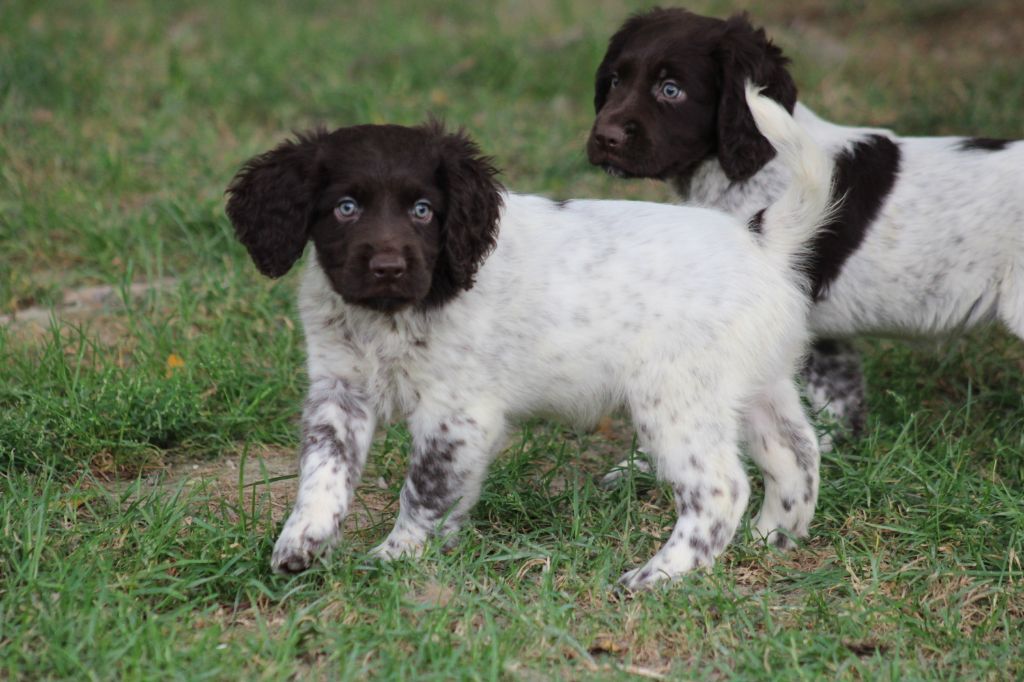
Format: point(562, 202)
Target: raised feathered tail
point(789, 224)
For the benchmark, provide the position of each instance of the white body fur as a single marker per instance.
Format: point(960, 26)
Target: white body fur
point(945, 252)
point(679, 312)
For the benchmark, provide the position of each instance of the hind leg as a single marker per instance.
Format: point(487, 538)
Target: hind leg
point(693, 447)
point(783, 445)
point(834, 381)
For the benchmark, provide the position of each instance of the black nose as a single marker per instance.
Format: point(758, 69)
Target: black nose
point(610, 136)
point(387, 265)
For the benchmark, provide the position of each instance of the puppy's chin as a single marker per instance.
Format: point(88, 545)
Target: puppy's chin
point(605, 162)
point(384, 299)
point(619, 170)
point(615, 171)
point(633, 163)
point(385, 304)
point(618, 167)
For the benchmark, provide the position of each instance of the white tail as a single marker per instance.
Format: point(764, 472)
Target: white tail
point(792, 220)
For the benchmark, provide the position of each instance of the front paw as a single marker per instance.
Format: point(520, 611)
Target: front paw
point(642, 578)
point(671, 563)
point(781, 523)
point(395, 547)
point(779, 535)
point(302, 541)
point(640, 464)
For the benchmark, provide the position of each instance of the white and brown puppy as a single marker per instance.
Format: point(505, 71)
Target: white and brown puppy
point(929, 239)
point(433, 296)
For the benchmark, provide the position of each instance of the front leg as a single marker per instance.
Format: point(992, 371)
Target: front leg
point(449, 462)
point(337, 428)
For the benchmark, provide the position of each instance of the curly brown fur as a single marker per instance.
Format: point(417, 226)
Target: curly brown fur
point(383, 255)
point(708, 60)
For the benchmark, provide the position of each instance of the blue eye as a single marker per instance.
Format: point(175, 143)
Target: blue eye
point(422, 211)
point(670, 90)
point(615, 80)
point(346, 208)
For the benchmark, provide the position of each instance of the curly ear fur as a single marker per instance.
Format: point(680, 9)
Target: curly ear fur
point(470, 220)
point(745, 53)
point(269, 203)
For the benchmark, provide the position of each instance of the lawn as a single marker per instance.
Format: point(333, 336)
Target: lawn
point(151, 380)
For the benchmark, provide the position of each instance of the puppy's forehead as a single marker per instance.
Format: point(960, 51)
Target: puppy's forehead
point(673, 36)
point(382, 150)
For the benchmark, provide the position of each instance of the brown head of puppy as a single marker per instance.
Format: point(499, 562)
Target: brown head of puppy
point(669, 94)
point(399, 216)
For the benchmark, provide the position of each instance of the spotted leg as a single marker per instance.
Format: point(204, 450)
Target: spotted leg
point(783, 445)
point(694, 448)
point(449, 462)
point(834, 381)
point(337, 428)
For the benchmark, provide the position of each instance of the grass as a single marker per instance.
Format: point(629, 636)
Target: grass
point(146, 441)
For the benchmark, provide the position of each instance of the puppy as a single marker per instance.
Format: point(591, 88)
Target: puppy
point(929, 239)
point(433, 296)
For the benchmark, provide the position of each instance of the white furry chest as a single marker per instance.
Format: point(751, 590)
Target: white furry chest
point(377, 354)
point(390, 361)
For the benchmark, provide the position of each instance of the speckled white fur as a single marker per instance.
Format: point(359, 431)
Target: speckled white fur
point(680, 313)
point(945, 253)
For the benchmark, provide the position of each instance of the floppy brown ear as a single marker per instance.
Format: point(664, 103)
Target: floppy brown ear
point(473, 206)
point(270, 200)
point(744, 53)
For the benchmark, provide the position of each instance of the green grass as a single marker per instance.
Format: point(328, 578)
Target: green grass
point(121, 125)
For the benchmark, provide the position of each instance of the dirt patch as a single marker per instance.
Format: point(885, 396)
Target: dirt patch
point(99, 307)
point(87, 301)
point(267, 471)
point(271, 476)
point(274, 472)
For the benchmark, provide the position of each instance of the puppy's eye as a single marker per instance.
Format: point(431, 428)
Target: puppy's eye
point(346, 208)
point(421, 211)
point(615, 80)
point(671, 90)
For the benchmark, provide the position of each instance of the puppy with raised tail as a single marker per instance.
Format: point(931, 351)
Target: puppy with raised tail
point(929, 240)
point(433, 296)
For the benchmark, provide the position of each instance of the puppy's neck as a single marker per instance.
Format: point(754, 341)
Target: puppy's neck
point(708, 185)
